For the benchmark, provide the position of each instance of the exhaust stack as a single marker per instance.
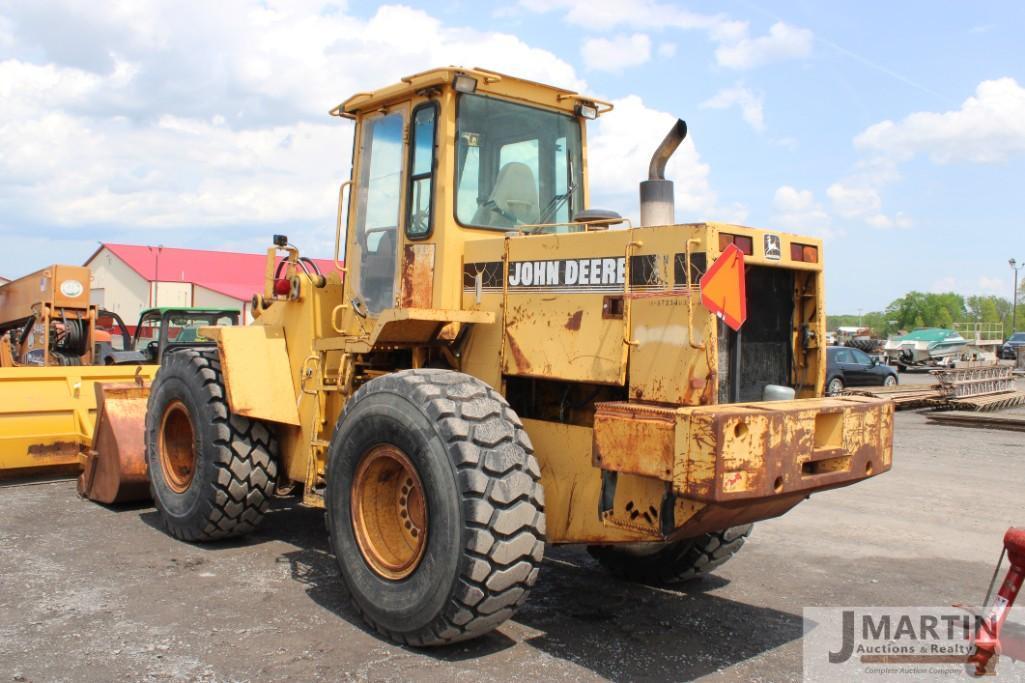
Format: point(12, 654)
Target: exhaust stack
point(657, 203)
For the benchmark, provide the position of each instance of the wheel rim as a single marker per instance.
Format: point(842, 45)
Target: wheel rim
point(389, 512)
point(177, 447)
point(835, 387)
point(891, 381)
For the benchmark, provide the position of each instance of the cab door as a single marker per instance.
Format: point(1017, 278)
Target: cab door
point(374, 235)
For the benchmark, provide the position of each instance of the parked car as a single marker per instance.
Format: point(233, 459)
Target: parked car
point(849, 367)
point(1011, 346)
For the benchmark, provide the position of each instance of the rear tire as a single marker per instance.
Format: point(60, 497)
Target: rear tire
point(478, 506)
point(835, 387)
point(890, 381)
point(211, 473)
point(675, 562)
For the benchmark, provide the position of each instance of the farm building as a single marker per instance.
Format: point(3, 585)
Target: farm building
point(129, 278)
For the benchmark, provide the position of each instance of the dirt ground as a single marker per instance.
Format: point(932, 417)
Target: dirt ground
point(93, 593)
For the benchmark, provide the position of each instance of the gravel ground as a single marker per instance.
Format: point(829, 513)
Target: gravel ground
point(94, 593)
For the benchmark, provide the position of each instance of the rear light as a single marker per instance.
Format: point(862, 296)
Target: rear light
point(804, 252)
point(742, 242)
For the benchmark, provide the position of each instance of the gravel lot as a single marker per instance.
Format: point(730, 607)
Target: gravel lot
point(92, 593)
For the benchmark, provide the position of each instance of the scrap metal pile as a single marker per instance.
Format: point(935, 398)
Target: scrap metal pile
point(985, 388)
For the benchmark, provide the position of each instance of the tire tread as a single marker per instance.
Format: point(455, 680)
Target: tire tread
point(243, 453)
point(503, 504)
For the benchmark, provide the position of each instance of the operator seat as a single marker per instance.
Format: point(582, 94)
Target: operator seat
point(513, 201)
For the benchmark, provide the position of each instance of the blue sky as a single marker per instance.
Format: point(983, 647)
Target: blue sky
point(894, 130)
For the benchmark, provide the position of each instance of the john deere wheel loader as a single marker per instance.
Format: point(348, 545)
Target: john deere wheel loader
point(505, 368)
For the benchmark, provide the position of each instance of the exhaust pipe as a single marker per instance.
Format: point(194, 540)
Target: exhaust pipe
point(657, 203)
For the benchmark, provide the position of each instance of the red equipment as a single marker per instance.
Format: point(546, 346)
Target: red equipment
point(988, 643)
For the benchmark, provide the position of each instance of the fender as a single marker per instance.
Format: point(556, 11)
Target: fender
point(257, 375)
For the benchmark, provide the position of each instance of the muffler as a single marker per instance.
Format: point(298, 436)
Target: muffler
point(657, 204)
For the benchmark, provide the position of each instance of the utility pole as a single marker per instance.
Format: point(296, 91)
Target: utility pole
point(155, 295)
point(1014, 295)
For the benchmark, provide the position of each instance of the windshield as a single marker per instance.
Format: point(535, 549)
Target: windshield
point(182, 328)
point(1018, 336)
point(516, 165)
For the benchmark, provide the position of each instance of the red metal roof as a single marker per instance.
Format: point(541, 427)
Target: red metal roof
point(226, 272)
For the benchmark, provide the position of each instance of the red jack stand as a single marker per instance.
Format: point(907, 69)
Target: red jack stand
point(988, 645)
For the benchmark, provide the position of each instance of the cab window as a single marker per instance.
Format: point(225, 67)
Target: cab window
point(515, 164)
point(420, 205)
point(377, 208)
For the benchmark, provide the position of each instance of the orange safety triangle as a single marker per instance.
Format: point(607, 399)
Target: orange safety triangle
point(722, 288)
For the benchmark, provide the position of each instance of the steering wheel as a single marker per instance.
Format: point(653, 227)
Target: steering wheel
point(153, 348)
point(492, 205)
point(419, 222)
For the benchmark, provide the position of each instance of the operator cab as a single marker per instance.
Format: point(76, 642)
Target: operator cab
point(516, 163)
point(162, 330)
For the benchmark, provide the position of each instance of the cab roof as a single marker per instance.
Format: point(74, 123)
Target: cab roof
point(186, 310)
point(487, 82)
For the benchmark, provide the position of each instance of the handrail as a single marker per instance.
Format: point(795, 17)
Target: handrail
point(627, 299)
point(601, 221)
point(338, 226)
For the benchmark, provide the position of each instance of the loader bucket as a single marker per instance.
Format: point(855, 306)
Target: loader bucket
point(115, 467)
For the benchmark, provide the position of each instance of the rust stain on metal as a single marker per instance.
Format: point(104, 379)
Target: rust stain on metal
point(61, 448)
point(522, 364)
point(418, 276)
point(115, 469)
point(573, 323)
point(635, 440)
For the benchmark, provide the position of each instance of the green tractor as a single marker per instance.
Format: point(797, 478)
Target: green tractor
point(159, 331)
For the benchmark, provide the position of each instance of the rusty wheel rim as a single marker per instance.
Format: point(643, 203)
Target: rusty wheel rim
point(177, 447)
point(389, 512)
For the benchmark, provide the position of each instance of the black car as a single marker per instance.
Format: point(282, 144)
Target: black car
point(850, 367)
point(1011, 346)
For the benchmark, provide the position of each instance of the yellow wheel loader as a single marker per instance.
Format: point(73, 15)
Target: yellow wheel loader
point(504, 367)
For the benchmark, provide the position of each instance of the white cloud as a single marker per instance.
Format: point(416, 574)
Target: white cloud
point(884, 222)
point(781, 43)
point(989, 127)
point(667, 50)
point(992, 285)
point(749, 103)
point(620, 146)
point(857, 197)
point(603, 15)
point(853, 201)
point(616, 54)
point(797, 211)
point(190, 116)
point(736, 48)
point(967, 285)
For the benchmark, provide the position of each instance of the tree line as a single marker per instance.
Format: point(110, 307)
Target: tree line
point(924, 309)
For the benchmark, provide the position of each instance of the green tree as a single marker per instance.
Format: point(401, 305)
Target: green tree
point(943, 318)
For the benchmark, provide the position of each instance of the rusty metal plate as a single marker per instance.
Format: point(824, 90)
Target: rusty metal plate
point(417, 286)
point(746, 451)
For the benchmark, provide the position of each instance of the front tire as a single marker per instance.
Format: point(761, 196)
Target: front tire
point(673, 562)
point(890, 381)
point(211, 473)
point(434, 506)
